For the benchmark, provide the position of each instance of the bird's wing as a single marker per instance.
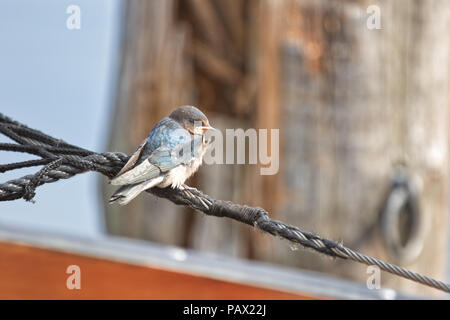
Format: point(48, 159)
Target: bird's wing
point(128, 192)
point(142, 172)
point(133, 174)
point(133, 159)
point(160, 161)
point(166, 158)
point(186, 150)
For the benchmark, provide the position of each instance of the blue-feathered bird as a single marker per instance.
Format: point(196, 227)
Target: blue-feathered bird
point(171, 153)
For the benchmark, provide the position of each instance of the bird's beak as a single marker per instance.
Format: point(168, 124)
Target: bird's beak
point(201, 130)
point(206, 128)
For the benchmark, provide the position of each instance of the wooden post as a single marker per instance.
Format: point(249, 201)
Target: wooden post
point(356, 102)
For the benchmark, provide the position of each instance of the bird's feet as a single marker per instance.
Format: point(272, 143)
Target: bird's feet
point(194, 195)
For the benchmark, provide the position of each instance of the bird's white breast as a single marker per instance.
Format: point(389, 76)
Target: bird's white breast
point(178, 175)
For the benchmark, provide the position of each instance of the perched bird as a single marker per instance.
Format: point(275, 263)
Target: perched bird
point(171, 153)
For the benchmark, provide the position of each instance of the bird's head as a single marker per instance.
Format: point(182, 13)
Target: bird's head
point(191, 119)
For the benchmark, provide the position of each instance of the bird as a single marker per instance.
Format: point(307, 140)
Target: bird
point(171, 153)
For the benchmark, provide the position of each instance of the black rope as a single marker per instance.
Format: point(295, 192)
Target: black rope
point(62, 161)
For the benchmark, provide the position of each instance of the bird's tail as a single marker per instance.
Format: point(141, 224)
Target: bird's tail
point(128, 192)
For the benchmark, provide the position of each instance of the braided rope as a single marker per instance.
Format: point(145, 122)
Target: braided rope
point(63, 161)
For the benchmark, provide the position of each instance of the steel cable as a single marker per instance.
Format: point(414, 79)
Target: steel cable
point(62, 161)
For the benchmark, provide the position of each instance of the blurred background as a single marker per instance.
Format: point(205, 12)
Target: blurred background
point(362, 108)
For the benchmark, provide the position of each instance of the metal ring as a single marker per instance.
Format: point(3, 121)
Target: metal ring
point(401, 220)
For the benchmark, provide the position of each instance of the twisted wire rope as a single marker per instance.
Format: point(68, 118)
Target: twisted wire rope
point(63, 161)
